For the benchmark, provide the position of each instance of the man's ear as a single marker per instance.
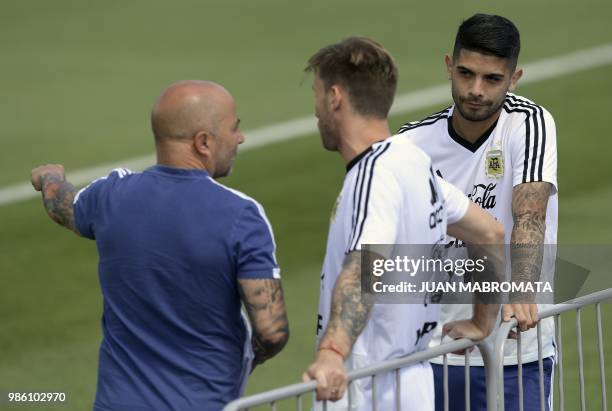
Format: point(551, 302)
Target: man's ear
point(518, 73)
point(448, 61)
point(334, 97)
point(203, 141)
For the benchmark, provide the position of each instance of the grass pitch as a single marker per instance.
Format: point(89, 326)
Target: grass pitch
point(78, 82)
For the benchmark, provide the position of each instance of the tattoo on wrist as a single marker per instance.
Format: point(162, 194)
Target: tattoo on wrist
point(58, 195)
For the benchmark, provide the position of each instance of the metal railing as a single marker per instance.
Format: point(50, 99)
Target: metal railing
point(492, 351)
point(555, 311)
point(298, 391)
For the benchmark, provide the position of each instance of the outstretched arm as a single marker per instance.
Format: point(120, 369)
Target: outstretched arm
point(58, 194)
point(265, 306)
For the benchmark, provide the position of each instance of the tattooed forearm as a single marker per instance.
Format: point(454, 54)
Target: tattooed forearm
point(529, 202)
point(58, 195)
point(350, 309)
point(265, 305)
point(264, 349)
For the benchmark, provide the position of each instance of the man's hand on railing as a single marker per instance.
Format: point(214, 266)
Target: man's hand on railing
point(526, 315)
point(464, 329)
point(329, 372)
point(476, 328)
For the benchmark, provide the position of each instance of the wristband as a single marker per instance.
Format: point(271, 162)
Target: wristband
point(331, 347)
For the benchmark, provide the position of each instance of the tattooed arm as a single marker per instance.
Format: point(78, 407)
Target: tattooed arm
point(529, 202)
point(349, 311)
point(349, 315)
point(265, 306)
point(58, 194)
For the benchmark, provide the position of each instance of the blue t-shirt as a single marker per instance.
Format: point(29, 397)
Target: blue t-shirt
point(172, 245)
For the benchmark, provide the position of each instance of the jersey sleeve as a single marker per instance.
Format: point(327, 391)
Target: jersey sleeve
point(85, 206)
point(376, 208)
point(254, 244)
point(534, 148)
point(87, 200)
point(455, 202)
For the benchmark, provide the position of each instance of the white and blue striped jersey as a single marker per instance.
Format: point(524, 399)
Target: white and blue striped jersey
point(388, 197)
point(519, 148)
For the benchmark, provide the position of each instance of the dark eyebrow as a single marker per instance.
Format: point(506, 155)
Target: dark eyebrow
point(497, 76)
point(464, 69)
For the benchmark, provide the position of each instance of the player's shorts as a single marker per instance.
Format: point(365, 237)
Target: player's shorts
point(478, 392)
point(417, 391)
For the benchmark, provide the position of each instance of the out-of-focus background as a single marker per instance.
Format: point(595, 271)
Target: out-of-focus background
point(78, 79)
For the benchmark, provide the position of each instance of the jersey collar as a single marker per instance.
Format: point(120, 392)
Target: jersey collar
point(357, 158)
point(180, 172)
point(473, 147)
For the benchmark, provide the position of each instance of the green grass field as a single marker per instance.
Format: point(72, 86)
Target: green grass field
point(79, 78)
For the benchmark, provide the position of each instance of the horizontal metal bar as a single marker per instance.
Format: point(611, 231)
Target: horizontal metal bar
point(267, 396)
point(385, 366)
point(389, 365)
point(417, 357)
point(571, 305)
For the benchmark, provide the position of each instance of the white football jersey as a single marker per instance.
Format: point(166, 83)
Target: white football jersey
point(388, 197)
point(519, 148)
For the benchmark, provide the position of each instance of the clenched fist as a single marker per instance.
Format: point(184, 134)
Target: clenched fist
point(38, 172)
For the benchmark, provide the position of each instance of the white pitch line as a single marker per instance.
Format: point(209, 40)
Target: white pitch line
point(537, 71)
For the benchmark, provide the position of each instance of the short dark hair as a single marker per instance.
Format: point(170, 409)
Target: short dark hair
point(364, 68)
point(489, 34)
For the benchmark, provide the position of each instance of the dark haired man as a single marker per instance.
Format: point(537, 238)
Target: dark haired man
point(388, 196)
point(500, 149)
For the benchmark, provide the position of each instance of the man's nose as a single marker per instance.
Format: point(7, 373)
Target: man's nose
point(477, 87)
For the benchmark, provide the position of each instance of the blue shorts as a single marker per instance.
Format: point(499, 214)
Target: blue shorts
point(478, 393)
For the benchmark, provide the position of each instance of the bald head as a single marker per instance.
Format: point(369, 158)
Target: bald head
point(186, 107)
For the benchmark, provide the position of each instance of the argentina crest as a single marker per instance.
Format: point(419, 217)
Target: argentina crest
point(494, 163)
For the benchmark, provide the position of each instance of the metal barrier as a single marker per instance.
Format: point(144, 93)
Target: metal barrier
point(555, 311)
point(492, 350)
point(298, 390)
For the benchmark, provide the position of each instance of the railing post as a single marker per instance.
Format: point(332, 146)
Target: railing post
point(491, 371)
point(498, 341)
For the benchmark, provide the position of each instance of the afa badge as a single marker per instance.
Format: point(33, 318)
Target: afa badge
point(494, 164)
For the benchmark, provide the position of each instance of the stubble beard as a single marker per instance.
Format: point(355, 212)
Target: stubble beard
point(329, 136)
point(491, 108)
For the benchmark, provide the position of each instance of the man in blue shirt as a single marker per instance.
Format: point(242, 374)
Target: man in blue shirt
point(178, 253)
